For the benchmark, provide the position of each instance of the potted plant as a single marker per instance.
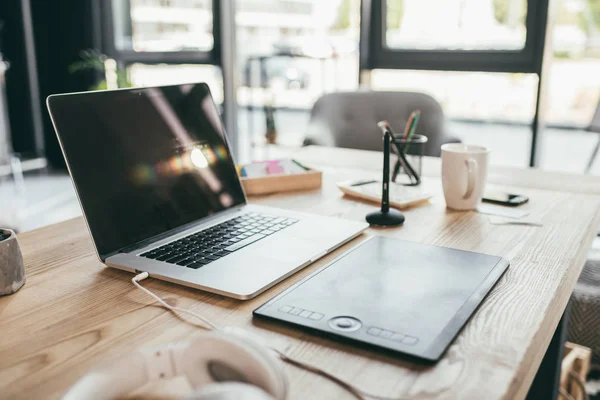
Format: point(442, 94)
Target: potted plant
point(114, 77)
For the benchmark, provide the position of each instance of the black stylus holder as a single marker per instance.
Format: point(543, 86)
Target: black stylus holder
point(386, 216)
point(410, 153)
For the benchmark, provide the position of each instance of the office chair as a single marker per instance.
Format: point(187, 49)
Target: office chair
point(594, 127)
point(349, 119)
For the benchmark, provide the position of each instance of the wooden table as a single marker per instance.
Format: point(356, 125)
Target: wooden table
point(73, 312)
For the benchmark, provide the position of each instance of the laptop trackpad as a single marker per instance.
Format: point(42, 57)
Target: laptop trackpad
point(287, 249)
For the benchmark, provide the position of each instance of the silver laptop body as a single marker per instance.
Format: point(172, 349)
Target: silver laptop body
point(155, 178)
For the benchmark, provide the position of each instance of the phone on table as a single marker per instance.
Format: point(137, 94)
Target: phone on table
point(505, 199)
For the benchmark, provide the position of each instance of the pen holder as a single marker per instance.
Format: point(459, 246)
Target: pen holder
point(12, 271)
point(413, 150)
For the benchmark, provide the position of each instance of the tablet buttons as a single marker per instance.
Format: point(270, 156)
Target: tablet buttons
point(316, 316)
point(299, 312)
point(345, 324)
point(410, 340)
point(386, 334)
point(296, 311)
point(394, 336)
point(374, 331)
point(397, 337)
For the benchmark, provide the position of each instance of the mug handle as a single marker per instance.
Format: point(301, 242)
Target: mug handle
point(472, 169)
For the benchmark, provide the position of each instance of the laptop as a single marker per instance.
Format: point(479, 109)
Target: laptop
point(160, 193)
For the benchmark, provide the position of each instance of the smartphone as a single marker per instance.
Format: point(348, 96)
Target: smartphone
point(505, 199)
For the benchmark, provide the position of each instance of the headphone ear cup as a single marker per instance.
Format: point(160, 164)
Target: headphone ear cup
point(229, 391)
point(231, 358)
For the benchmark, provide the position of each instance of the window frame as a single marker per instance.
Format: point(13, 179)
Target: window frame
point(376, 55)
point(124, 57)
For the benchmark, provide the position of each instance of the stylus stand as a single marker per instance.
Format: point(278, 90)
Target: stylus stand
point(413, 150)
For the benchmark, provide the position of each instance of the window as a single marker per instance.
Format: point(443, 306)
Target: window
point(162, 31)
point(456, 24)
point(573, 78)
point(573, 86)
point(459, 35)
point(472, 96)
point(163, 74)
point(505, 102)
point(163, 26)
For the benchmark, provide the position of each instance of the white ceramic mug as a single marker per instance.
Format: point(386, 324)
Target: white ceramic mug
point(464, 174)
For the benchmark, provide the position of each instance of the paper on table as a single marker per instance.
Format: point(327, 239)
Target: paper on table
point(492, 209)
point(495, 220)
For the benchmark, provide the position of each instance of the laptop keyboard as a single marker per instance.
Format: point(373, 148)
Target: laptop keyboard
point(211, 244)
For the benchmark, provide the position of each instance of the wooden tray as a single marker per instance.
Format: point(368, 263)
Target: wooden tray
point(311, 179)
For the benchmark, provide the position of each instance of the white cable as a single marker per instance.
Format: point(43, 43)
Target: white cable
point(359, 394)
point(144, 275)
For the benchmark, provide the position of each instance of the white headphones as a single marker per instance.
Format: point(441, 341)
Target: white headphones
point(219, 366)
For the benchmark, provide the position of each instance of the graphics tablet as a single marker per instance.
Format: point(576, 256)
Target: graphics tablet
point(400, 296)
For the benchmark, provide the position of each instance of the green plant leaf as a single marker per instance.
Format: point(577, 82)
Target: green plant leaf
point(89, 60)
point(99, 86)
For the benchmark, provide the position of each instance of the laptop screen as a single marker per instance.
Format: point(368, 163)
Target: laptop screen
point(145, 161)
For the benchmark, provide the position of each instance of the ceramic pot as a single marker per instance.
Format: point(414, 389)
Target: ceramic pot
point(12, 270)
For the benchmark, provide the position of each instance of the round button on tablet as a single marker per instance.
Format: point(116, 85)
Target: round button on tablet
point(345, 324)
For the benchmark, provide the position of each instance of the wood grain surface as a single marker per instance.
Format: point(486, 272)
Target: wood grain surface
point(73, 312)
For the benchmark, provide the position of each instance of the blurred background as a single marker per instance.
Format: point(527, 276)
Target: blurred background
point(519, 76)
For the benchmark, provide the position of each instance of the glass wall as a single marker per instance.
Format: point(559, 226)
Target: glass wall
point(290, 52)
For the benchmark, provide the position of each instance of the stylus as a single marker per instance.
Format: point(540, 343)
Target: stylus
point(404, 162)
point(385, 200)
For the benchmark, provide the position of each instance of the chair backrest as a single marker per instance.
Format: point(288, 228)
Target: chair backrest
point(349, 119)
point(595, 124)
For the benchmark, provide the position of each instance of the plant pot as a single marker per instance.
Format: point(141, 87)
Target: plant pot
point(12, 270)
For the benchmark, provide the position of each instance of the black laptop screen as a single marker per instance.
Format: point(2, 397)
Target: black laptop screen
point(145, 161)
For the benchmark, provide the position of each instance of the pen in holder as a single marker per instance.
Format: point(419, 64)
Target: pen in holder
point(410, 158)
point(414, 145)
